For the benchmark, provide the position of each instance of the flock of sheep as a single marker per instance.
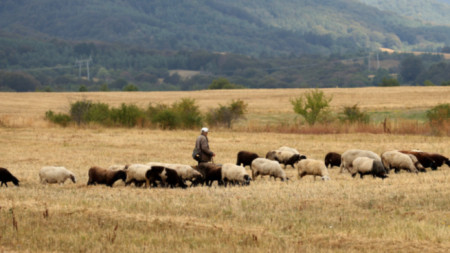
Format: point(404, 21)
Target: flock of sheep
point(155, 174)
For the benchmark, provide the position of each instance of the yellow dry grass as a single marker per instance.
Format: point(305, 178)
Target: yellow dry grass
point(404, 213)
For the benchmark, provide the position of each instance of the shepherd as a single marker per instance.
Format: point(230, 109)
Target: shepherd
point(202, 153)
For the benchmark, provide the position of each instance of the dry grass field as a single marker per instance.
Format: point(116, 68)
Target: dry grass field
point(403, 213)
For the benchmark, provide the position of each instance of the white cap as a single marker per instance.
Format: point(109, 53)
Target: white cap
point(205, 129)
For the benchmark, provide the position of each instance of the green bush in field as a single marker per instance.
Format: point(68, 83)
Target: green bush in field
point(226, 115)
point(98, 113)
point(127, 115)
point(79, 110)
point(439, 114)
point(188, 113)
point(353, 114)
point(182, 114)
point(59, 118)
point(313, 106)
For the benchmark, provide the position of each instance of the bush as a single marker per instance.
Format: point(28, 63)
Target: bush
point(127, 115)
point(439, 115)
point(223, 83)
point(353, 114)
point(389, 82)
point(98, 113)
point(79, 110)
point(313, 106)
point(130, 87)
point(188, 112)
point(59, 118)
point(226, 115)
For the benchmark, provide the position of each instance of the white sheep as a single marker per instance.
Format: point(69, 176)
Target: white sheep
point(264, 166)
point(396, 160)
point(285, 157)
point(136, 174)
point(292, 150)
point(368, 166)
point(351, 154)
point(235, 174)
point(55, 175)
point(312, 167)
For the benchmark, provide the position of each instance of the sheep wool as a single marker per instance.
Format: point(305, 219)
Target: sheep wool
point(136, 174)
point(55, 175)
point(235, 174)
point(351, 154)
point(396, 160)
point(264, 166)
point(312, 167)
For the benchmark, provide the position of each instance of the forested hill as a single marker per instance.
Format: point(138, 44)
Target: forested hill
point(251, 27)
point(433, 11)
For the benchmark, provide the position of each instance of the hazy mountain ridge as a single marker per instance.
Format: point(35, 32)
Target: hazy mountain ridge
point(251, 27)
point(432, 11)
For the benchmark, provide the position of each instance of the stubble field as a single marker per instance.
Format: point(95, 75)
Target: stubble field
point(404, 213)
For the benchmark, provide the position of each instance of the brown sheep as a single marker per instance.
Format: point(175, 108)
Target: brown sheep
point(423, 158)
point(245, 158)
point(6, 176)
point(211, 172)
point(333, 159)
point(99, 175)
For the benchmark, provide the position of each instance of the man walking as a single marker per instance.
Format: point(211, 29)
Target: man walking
point(202, 145)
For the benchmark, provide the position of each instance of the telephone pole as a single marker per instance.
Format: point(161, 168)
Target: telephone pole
point(82, 62)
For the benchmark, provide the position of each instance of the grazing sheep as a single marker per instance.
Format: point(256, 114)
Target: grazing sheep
point(6, 176)
point(399, 161)
point(245, 158)
point(439, 159)
point(333, 159)
point(351, 154)
point(289, 149)
point(55, 175)
point(108, 177)
point(186, 172)
point(284, 157)
point(136, 174)
point(211, 172)
point(235, 174)
point(264, 166)
point(314, 168)
point(424, 159)
point(368, 166)
point(165, 176)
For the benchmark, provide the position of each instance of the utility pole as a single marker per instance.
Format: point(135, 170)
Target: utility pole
point(378, 61)
point(80, 63)
point(368, 62)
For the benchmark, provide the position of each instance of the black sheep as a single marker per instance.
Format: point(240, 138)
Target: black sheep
point(333, 159)
point(164, 176)
point(6, 176)
point(246, 158)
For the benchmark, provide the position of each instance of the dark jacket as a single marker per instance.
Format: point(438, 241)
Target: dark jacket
point(202, 144)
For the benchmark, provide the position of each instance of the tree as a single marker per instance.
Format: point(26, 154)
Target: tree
point(312, 106)
point(223, 83)
point(130, 87)
point(226, 115)
point(410, 68)
point(388, 82)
